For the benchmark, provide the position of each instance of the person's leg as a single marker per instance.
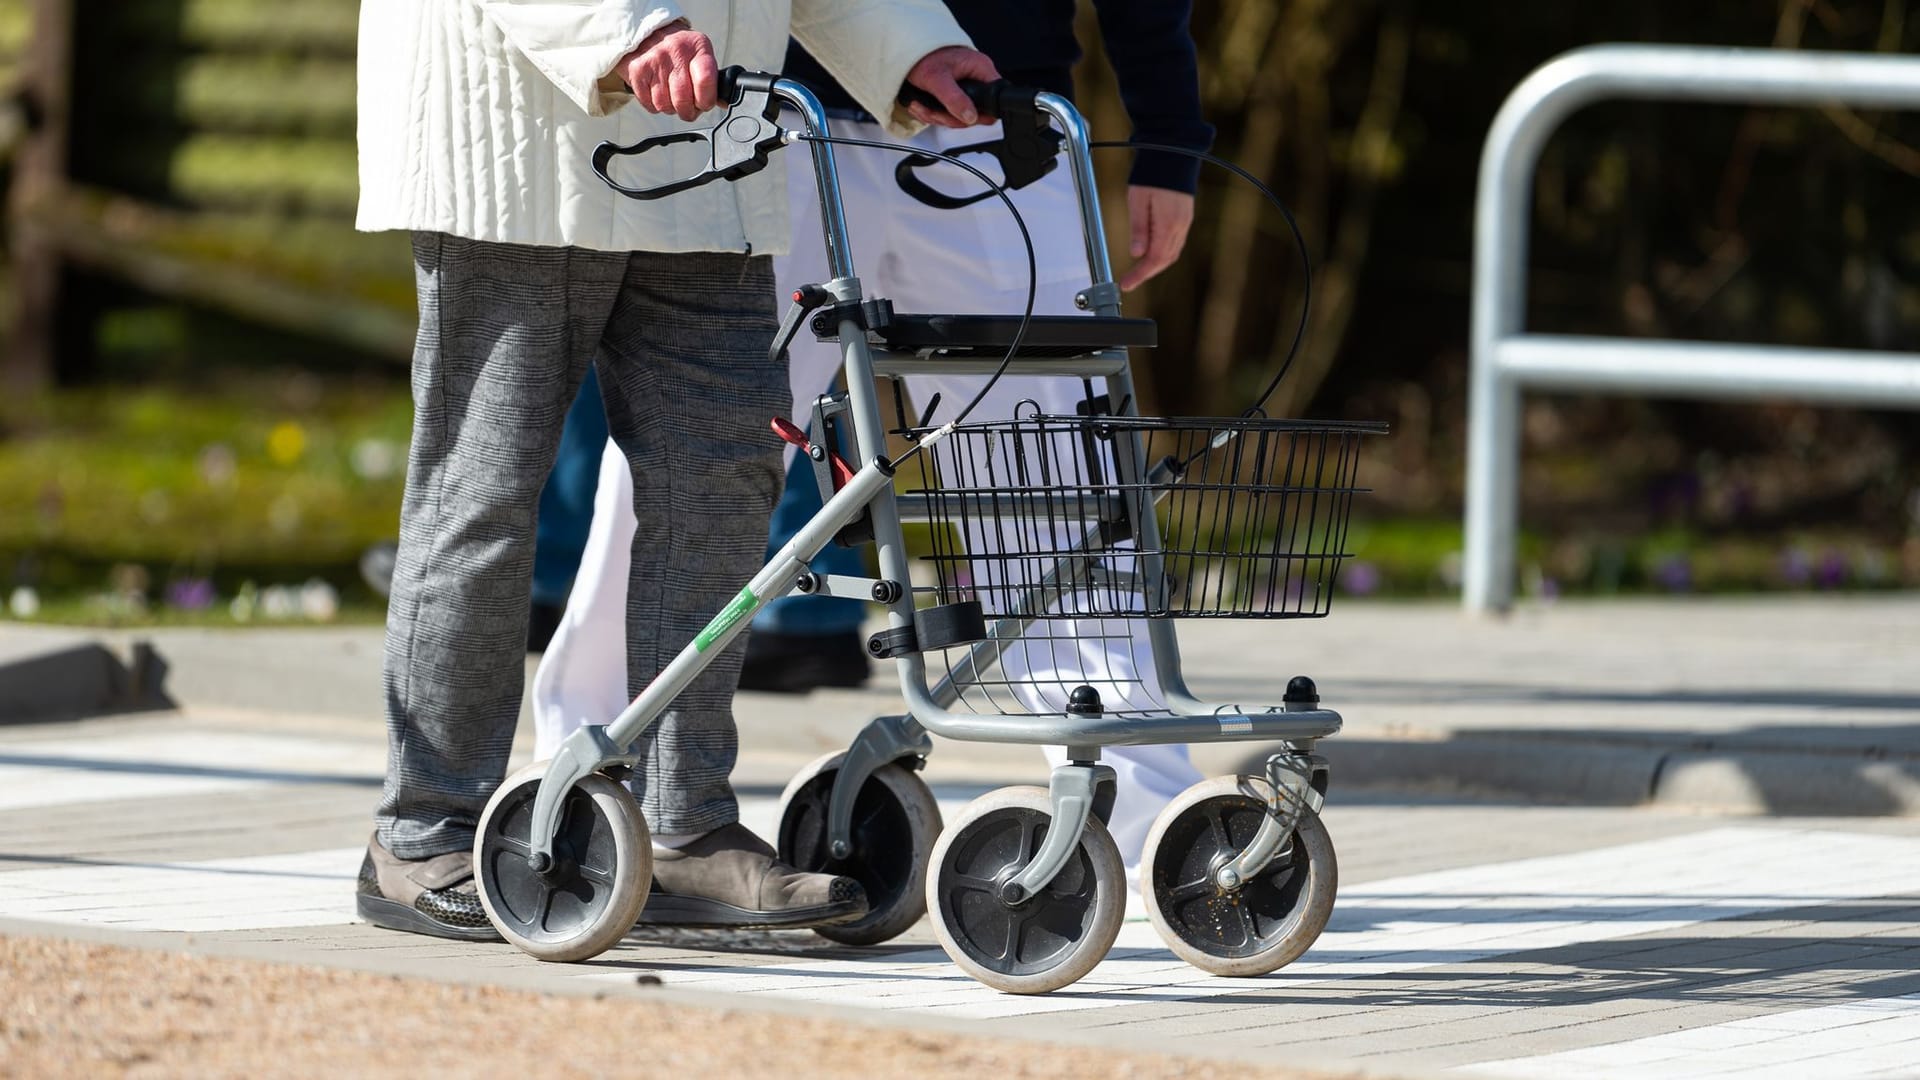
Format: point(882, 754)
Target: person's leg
point(566, 511)
point(582, 679)
point(690, 390)
point(505, 334)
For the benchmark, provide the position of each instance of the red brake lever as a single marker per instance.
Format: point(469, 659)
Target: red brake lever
point(791, 433)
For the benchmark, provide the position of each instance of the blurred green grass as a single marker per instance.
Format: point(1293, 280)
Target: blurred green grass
point(161, 503)
point(268, 480)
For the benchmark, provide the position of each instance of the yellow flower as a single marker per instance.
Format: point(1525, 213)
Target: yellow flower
point(286, 442)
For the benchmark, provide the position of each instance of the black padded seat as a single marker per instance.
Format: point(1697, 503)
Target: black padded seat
point(988, 336)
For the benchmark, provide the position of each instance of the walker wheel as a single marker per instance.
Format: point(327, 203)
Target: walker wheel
point(895, 822)
point(1052, 939)
point(1263, 925)
point(603, 868)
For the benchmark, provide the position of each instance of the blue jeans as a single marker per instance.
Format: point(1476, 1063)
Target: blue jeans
point(814, 616)
point(566, 503)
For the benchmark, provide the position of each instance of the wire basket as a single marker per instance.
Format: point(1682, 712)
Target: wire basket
point(1030, 519)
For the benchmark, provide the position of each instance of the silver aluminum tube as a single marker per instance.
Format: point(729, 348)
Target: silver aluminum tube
point(833, 215)
point(1080, 159)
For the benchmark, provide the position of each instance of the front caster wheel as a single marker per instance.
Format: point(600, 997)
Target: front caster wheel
point(895, 822)
point(1053, 938)
point(1259, 927)
point(603, 866)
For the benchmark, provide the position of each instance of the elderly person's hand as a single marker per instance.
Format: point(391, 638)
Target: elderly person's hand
point(1159, 219)
point(674, 71)
point(939, 73)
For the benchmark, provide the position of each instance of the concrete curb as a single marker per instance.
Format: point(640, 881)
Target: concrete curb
point(1622, 773)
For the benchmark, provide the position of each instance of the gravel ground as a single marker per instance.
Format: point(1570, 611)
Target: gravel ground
point(75, 1009)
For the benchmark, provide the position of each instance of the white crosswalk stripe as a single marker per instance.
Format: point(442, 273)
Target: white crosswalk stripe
point(1380, 928)
point(310, 888)
point(49, 772)
point(1879, 1037)
point(1421, 921)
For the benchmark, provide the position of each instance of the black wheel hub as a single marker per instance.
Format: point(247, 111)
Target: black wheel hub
point(882, 860)
point(575, 887)
point(1034, 935)
point(1230, 923)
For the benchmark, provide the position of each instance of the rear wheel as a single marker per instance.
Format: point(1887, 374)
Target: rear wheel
point(895, 824)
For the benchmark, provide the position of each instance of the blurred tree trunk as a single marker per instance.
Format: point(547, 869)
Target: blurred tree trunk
point(1369, 161)
point(1272, 75)
point(39, 175)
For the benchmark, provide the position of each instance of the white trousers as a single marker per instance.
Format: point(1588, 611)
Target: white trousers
point(923, 260)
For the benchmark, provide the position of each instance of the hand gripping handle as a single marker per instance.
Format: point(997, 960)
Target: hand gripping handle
point(984, 95)
point(739, 145)
point(1028, 147)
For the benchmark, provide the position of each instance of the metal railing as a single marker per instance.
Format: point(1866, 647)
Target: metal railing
point(1505, 359)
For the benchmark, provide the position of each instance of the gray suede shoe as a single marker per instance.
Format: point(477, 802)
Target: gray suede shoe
point(422, 896)
point(731, 879)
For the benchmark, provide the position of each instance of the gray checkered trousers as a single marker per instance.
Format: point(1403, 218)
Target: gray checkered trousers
point(506, 334)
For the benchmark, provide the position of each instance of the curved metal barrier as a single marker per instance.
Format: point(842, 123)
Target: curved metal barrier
point(1506, 359)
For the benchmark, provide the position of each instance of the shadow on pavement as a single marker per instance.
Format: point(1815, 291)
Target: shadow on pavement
point(1810, 769)
point(80, 682)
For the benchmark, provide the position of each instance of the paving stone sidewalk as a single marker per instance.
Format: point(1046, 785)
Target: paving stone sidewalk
point(1472, 937)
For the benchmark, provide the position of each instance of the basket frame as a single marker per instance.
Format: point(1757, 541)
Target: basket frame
point(1008, 499)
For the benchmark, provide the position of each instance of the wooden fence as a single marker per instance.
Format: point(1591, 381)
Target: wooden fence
point(200, 150)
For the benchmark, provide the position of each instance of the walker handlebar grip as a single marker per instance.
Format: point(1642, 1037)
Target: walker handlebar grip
point(736, 82)
point(984, 95)
point(1027, 149)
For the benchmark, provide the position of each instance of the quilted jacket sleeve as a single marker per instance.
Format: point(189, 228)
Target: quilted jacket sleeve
point(576, 43)
point(870, 45)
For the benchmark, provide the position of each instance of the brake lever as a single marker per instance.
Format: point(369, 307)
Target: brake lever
point(739, 145)
point(1028, 149)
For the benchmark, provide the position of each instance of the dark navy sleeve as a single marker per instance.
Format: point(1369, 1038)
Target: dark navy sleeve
point(1151, 47)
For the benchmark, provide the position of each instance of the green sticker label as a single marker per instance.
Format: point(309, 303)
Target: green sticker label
point(725, 621)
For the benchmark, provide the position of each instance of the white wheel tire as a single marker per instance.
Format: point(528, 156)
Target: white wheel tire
point(633, 870)
point(923, 824)
point(1109, 910)
point(1310, 916)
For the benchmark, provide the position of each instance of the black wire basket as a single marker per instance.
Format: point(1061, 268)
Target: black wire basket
point(1030, 519)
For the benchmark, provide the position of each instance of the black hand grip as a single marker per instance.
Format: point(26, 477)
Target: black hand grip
point(736, 82)
point(984, 95)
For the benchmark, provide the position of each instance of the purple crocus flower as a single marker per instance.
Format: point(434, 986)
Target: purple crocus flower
point(1795, 568)
point(190, 594)
point(1360, 578)
point(1674, 573)
point(1832, 571)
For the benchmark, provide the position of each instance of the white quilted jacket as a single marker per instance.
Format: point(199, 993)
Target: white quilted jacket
point(477, 116)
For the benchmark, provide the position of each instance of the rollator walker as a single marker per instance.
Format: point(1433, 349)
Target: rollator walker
point(1042, 532)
